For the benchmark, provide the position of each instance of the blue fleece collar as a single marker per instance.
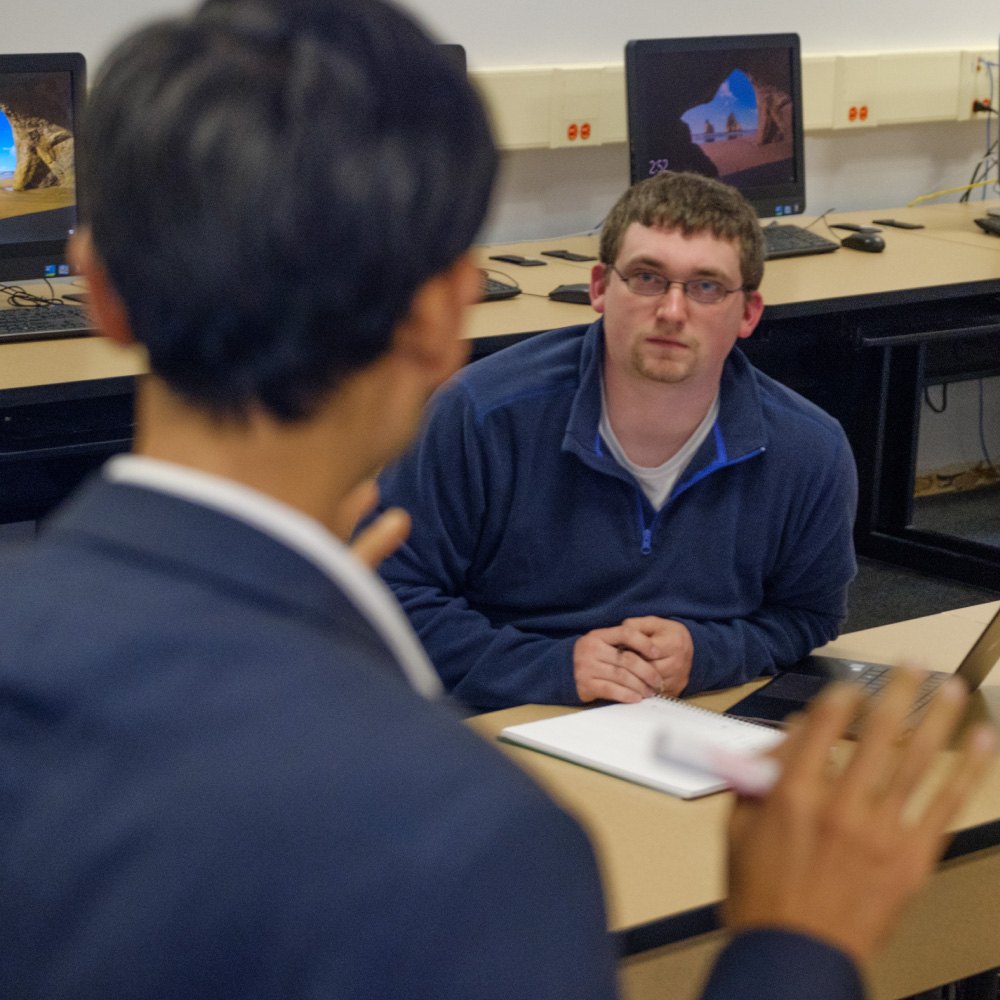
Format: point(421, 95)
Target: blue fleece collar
point(738, 432)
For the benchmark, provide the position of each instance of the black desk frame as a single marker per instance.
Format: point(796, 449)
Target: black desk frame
point(51, 436)
point(867, 361)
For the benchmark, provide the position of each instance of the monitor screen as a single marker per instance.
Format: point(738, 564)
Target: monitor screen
point(40, 97)
point(728, 107)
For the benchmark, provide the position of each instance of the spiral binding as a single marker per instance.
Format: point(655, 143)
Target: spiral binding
point(707, 711)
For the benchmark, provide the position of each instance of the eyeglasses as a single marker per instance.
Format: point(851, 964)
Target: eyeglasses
point(705, 291)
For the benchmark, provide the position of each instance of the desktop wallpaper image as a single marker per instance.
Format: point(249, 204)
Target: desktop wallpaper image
point(724, 114)
point(729, 130)
point(37, 172)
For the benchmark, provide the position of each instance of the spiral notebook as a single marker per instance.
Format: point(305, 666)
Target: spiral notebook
point(619, 740)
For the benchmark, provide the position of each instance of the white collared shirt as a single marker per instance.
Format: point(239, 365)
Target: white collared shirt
point(302, 534)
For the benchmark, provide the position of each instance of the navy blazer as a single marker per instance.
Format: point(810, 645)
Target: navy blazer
point(215, 782)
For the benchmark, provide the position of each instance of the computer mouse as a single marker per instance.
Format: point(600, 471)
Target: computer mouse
point(869, 242)
point(580, 294)
point(990, 225)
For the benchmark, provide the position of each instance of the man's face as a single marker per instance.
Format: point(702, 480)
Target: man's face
point(670, 338)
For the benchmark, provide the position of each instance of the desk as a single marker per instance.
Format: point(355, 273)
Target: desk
point(859, 334)
point(662, 859)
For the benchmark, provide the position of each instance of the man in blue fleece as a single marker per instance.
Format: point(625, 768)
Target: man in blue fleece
point(630, 507)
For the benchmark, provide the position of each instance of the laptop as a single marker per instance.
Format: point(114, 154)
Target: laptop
point(792, 689)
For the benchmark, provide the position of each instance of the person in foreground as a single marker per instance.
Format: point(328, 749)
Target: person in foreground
point(630, 507)
point(226, 773)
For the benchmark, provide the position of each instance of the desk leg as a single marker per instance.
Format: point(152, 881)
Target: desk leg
point(887, 459)
point(897, 377)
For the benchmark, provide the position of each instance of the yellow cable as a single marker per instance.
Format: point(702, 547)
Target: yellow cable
point(965, 187)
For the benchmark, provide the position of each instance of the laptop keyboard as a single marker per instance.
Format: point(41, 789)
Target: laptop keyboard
point(41, 322)
point(794, 241)
point(875, 678)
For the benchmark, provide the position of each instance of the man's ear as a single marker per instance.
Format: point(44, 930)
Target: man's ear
point(598, 286)
point(431, 334)
point(753, 307)
point(103, 302)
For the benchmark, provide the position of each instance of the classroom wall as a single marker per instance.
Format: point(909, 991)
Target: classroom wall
point(526, 32)
point(545, 192)
point(550, 192)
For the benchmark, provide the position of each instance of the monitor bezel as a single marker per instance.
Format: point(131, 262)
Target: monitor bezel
point(765, 200)
point(27, 261)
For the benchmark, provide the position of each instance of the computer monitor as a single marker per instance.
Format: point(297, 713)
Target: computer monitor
point(728, 107)
point(40, 99)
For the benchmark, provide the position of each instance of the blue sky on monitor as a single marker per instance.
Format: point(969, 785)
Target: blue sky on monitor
point(735, 96)
point(7, 159)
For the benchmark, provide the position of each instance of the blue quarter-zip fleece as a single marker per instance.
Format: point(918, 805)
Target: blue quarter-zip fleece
point(527, 534)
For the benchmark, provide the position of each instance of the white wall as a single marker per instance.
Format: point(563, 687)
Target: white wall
point(529, 32)
point(559, 191)
point(952, 437)
point(545, 192)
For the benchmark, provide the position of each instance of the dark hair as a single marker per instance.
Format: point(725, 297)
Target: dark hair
point(693, 204)
point(269, 182)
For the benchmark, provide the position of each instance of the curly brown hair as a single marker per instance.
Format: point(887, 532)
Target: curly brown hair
point(693, 204)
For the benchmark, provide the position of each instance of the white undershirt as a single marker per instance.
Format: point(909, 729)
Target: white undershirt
point(299, 532)
point(657, 482)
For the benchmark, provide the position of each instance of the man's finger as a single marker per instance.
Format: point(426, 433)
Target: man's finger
point(641, 668)
point(638, 641)
point(609, 690)
point(929, 737)
point(882, 728)
point(360, 501)
point(806, 756)
point(626, 677)
point(382, 537)
point(978, 750)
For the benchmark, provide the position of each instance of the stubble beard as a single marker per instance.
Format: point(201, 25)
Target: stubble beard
point(668, 371)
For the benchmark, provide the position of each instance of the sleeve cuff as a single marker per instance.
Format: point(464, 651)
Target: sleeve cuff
point(782, 965)
point(568, 695)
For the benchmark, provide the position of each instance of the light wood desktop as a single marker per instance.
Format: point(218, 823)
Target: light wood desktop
point(950, 252)
point(663, 862)
point(33, 369)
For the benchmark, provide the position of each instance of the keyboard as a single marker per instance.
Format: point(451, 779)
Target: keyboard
point(873, 678)
point(495, 290)
point(794, 241)
point(43, 322)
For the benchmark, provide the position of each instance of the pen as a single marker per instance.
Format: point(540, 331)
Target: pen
point(748, 773)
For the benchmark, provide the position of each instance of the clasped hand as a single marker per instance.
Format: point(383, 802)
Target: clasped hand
point(631, 661)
